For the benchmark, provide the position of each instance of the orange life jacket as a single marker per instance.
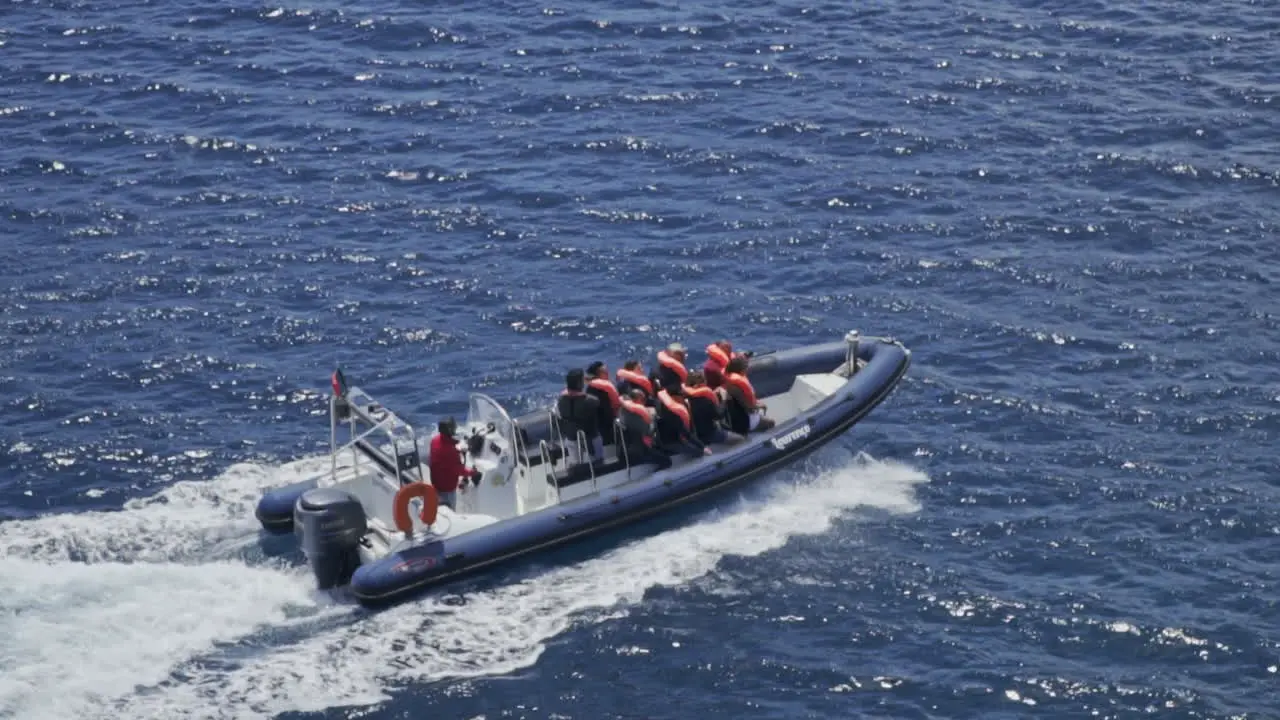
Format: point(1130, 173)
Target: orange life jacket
point(673, 365)
point(742, 383)
point(638, 380)
point(718, 356)
point(678, 408)
point(603, 385)
point(643, 412)
point(702, 391)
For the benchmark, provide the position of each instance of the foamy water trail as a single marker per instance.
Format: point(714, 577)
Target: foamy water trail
point(181, 522)
point(503, 630)
point(94, 604)
point(76, 636)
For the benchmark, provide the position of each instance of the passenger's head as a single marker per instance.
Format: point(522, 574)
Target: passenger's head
point(737, 364)
point(636, 395)
point(573, 380)
point(725, 345)
point(633, 365)
point(597, 369)
point(447, 427)
point(677, 351)
point(695, 378)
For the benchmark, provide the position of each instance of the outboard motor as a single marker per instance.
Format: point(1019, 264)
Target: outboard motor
point(329, 524)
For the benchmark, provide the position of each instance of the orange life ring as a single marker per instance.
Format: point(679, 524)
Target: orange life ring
point(400, 507)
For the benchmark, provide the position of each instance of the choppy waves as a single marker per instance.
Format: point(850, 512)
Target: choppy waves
point(1065, 212)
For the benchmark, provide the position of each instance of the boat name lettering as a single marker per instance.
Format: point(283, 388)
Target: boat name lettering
point(415, 564)
point(799, 433)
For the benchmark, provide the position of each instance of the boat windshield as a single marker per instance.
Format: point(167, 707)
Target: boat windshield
point(482, 410)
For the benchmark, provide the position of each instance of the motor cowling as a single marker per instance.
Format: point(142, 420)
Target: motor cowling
point(329, 524)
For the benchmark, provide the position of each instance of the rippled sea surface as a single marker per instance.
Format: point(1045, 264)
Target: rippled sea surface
point(1068, 211)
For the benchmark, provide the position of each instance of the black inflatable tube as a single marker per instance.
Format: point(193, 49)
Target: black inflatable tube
point(275, 507)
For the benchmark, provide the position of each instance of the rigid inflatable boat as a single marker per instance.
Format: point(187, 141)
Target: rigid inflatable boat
point(539, 488)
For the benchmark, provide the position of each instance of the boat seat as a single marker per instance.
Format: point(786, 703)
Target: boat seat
point(809, 390)
point(534, 457)
point(566, 475)
point(582, 472)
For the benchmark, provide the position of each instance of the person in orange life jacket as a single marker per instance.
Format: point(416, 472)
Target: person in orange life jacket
point(671, 370)
point(705, 409)
point(579, 412)
point(604, 391)
point(744, 410)
point(444, 462)
point(632, 376)
point(675, 423)
point(719, 353)
point(637, 431)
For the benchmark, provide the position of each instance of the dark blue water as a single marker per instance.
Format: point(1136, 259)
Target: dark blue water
point(1067, 510)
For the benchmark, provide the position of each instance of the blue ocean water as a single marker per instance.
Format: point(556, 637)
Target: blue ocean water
point(1066, 210)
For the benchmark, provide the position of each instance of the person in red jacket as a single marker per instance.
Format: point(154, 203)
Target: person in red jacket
point(445, 464)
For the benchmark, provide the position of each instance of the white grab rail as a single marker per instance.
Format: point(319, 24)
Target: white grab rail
point(584, 451)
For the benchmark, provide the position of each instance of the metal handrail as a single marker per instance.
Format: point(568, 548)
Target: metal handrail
point(549, 471)
point(522, 462)
point(519, 447)
point(557, 436)
point(333, 437)
point(365, 417)
point(584, 450)
point(417, 451)
point(620, 446)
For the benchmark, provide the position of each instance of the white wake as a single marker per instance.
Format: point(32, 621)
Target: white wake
point(184, 521)
point(152, 628)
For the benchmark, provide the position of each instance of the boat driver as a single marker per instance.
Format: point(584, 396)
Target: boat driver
point(444, 461)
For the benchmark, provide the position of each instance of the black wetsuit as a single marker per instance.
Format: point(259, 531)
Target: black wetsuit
point(673, 436)
point(578, 411)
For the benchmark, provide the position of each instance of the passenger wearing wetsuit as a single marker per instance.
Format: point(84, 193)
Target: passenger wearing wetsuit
point(675, 424)
point(637, 432)
point(604, 391)
point(632, 376)
point(718, 355)
point(704, 409)
point(671, 370)
point(743, 410)
point(579, 411)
